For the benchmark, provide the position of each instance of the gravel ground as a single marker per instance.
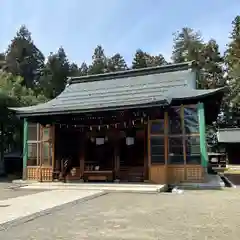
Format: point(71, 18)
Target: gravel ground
point(6, 191)
point(193, 215)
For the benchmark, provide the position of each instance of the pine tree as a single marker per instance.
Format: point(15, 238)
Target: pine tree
point(2, 61)
point(232, 55)
point(99, 61)
point(232, 59)
point(211, 65)
point(187, 46)
point(154, 61)
point(144, 59)
point(139, 60)
point(83, 69)
point(24, 58)
point(74, 71)
point(116, 63)
point(55, 73)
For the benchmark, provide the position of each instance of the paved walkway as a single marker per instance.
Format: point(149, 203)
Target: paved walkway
point(31, 206)
point(194, 215)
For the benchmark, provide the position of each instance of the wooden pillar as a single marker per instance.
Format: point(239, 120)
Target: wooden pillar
point(52, 149)
point(25, 147)
point(202, 130)
point(116, 159)
point(146, 175)
point(82, 154)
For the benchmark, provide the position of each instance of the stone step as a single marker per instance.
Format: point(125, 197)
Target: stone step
point(115, 187)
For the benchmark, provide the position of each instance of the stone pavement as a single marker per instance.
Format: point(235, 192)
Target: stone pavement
point(25, 208)
point(194, 215)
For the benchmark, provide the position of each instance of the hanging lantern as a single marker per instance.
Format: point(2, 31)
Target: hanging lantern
point(90, 128)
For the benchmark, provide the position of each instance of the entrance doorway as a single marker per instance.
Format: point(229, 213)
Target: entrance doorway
point(98, 157)
point(67, 151)
point(132, 156)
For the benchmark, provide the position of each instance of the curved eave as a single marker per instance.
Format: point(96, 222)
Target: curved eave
point(196, 94)
point(21, 112)
point(28, 110)
point(211, 98)
point(179, 95)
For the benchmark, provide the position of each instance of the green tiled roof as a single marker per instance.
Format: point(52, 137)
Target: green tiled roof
point(128, 89)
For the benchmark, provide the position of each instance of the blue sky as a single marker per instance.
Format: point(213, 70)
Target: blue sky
point(118, 25)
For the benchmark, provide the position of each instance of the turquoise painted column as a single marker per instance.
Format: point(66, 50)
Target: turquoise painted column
point(202, 130)
point(25, 147)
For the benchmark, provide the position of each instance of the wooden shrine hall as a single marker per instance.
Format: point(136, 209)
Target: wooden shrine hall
point(136, 125)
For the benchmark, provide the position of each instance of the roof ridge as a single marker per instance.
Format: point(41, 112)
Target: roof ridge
point(132, 72)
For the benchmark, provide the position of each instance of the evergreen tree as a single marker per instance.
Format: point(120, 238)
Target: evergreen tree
point(55, 73)
point(139, 60)
point(232, 58)
point(99, 61)
point(116, 63)
point(187, 46)
point(211, 65)
point(74, 71)
point(83, 69)
point(144, 59)
point(2, 61)
point(232, 55)
point(154, 61)
point(24, 58)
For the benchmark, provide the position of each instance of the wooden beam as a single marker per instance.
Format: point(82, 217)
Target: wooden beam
point(82, 153)
point(149, 148)
point(166, 132)
point(107, 117)
point(146, 153)
point(53, 147)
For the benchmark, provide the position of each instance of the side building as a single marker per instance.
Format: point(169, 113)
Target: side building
point(229, 140)
point(137, 125)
